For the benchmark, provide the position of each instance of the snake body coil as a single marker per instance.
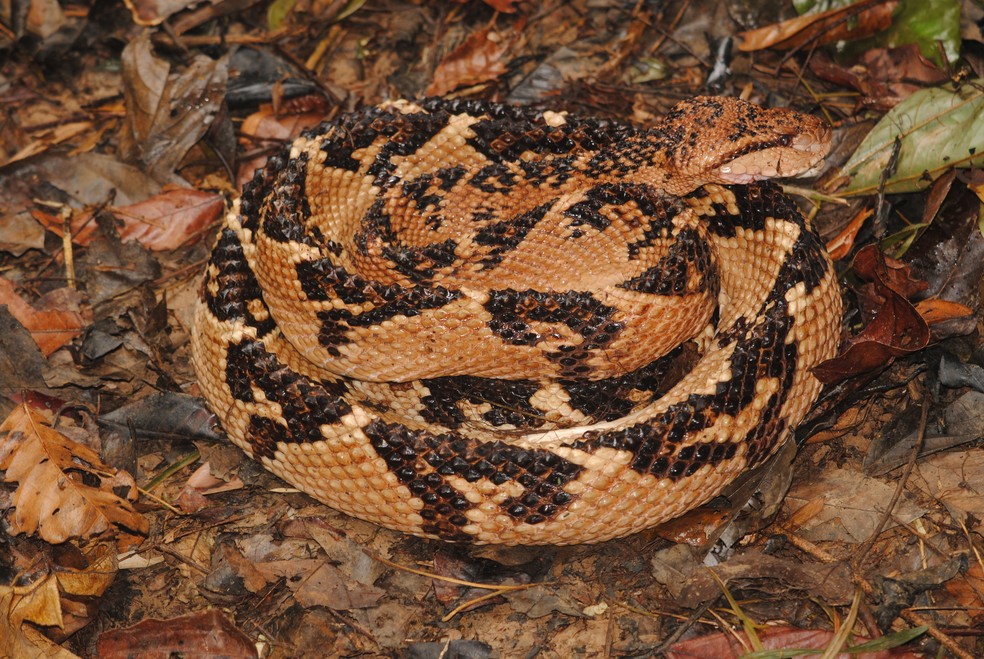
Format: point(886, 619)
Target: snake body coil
point(489, 324)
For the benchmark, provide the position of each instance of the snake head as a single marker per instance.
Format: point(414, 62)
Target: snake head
point(730, 141)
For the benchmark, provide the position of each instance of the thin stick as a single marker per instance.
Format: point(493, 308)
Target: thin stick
point(67, 247)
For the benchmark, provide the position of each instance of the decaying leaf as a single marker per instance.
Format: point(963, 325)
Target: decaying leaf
point(326, 585)
point(50, 138)
point(956, 480)
point(842, 244)
point(884, 76)
point(53, 497)
point(770, 574)
point(55, 588)
point(937, 311)
point(968, 589)
point(505, 6)
point(166, 114)
point(852, 506)
point(265, 128)
point(19, 232)
point(154, 12)
point(949, 256)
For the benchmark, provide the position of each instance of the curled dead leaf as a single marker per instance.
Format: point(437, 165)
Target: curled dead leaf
point(846, 23)
point(167, 112)
point(893, 327)
point(841, 245)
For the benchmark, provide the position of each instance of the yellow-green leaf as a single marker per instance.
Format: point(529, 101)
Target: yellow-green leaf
point(277, 13)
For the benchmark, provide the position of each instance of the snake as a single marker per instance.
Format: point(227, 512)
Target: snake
point(494, 324)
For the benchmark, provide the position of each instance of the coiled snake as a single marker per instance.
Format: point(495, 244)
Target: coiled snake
point(490, 324)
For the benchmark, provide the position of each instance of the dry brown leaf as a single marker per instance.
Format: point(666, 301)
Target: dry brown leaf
point(830, 583)
point(328, 586)
point(957, 481)
point(976, 183)
point(49, 138)
point(935, 311)
point(36, 603)
point(168, 220)
point(19, 233)
point(693, 528)
point(884, 76)
point(50, 328)
point(315, 582)
point(82, 581)
point(505, 6)
point(162, 222)
point(853, 506)
point(44, 18)
point(82, 225)
point(149, 13)
point(478, 59)
point(95, 578)
point(266, 125)
point(205, 634)
point(52, 498)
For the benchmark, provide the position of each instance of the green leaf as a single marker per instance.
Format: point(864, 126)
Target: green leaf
point(937, 129)
point(349, 9)
point(889, 641)
point(819, 6)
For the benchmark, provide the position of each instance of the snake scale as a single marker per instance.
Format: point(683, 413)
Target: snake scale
point(493, 324)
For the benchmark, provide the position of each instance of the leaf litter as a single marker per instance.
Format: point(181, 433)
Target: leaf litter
point(118, 167)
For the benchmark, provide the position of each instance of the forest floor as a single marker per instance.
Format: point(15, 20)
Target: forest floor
point(133, 528)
